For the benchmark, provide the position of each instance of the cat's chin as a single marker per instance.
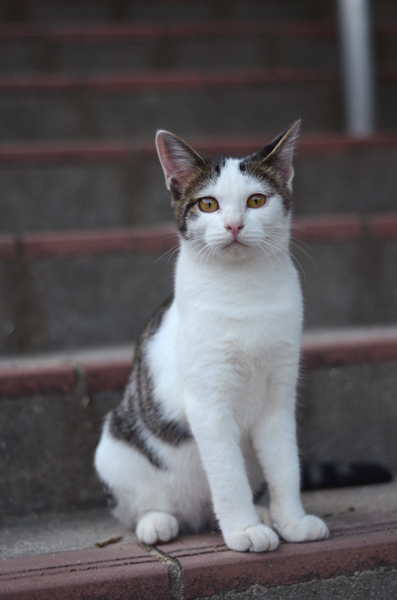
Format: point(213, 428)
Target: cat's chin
point(238, 251)
point(236, 246)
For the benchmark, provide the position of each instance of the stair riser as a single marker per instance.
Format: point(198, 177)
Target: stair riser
point(48, 55)
point(349, 283)
point(54, 304)
point(47, 442)
point(349, 413)
point(167, 52)
point(233, 110)
point(85, 196)
point(57, 304)
point(154, 10)
point(56, 436)
point(229, 111)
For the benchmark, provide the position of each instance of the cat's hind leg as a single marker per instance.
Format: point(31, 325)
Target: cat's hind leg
point(157, 526)
point(159, 502)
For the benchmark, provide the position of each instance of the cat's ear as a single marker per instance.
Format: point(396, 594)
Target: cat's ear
point(179, 161)
point(279, 152)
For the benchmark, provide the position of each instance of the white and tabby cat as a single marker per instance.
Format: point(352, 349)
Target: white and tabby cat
point(208, 414)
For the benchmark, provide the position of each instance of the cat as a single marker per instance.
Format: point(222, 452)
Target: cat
point(208, 414)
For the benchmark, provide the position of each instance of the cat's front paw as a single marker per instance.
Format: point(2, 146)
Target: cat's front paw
point(258, 538)
point(307, 529)
point(156, 527)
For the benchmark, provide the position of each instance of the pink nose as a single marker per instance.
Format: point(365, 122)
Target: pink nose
point(235, 228)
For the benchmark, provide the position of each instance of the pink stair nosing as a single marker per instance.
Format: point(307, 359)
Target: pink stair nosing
point(319, 350)
point(123, 151)
point(205, 566)
point(163, 237)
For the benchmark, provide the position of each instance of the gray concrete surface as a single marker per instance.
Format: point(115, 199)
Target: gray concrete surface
point(68, 197)
point(47, 446)
point(81, 302)
point(380, 584)
point(249, 50)
point(58, 531)
point(231, 110)
point(57, 304)
point(47, 443)
point(349, 413)
point(104, 10)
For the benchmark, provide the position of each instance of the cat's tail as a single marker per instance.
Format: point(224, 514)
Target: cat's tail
point(316, 475)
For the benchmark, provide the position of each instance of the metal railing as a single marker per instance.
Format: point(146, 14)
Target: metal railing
point(358, 66)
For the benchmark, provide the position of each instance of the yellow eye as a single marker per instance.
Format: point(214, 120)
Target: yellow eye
point(256, 200)
point(208, 204)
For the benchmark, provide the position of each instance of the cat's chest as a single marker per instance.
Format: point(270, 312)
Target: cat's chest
point(241, 316)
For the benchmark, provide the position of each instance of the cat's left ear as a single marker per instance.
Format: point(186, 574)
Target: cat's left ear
point(179, 161)
point(279, 152)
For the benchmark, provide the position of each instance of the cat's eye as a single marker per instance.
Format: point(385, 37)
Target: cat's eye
point(208, 205)
point(256, 200)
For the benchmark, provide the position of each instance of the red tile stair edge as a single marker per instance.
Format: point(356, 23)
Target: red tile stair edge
point(205, 566)
point(82, 152)
point(112, 572)
point(209, 567)
point(171, 80)
point(333, 349)
point(160, 238)
point(165, 80)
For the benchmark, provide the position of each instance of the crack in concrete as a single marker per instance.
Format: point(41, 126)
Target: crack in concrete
point(176, 582)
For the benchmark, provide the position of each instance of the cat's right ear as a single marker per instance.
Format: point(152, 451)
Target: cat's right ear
point(179, 161)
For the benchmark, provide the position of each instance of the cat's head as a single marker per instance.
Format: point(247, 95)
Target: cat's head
point(231, 206)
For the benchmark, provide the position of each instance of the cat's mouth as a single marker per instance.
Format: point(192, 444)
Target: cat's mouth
point(235, 242)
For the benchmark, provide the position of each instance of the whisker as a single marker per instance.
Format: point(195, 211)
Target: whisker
point(299, 247)
point(304, 230)
point(170, 254)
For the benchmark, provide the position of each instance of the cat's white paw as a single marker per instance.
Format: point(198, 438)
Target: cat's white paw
point(258, 538)
point(156, 527)
point(307, 529)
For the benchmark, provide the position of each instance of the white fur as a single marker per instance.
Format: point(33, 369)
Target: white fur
point(225, 360)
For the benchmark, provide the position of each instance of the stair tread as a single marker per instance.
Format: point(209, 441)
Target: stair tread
point(171, 79)
point(41, 551)
point(108, 367)
point(43, 533)
point(97, 151)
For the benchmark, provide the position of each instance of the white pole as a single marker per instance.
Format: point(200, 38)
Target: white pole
point(358, 71)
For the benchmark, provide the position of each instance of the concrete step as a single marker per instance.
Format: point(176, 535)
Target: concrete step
point(204, 102)
point(194, 102)
point(36, 11)
point(52, 408)
point(190, 44)
point(79, 289)
point(64, 186)
point(89, 47)
point(88, 555)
